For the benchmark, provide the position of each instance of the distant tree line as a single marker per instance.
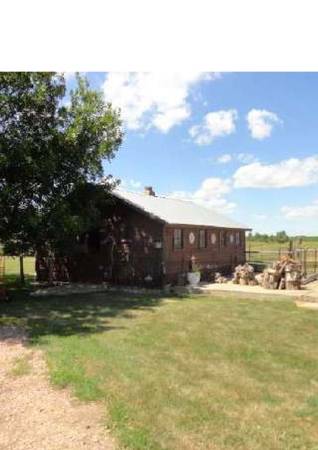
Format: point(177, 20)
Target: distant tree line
point(280, 237)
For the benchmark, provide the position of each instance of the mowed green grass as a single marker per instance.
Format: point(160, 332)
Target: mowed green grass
point(219, 372)
point(12, 270)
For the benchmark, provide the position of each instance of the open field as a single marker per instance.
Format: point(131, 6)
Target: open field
point(269, 246)
point(12, 269)
point(266, 253)
point(12, 265)
point(220, 372)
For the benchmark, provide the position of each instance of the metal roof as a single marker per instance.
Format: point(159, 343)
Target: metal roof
point(175, 211)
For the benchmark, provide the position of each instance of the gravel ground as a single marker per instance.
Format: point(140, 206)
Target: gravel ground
point(308, 291)
point(33, 414)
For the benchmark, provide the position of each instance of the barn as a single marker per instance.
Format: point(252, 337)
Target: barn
point(152, 240)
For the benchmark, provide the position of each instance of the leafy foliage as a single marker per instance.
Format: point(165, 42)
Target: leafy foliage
point(51, 155)
point(280, 236)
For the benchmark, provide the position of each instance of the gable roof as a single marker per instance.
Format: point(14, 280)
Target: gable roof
point(175, 211)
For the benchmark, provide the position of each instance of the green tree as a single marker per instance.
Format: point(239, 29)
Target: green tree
point(51, 148)
point(282, 237)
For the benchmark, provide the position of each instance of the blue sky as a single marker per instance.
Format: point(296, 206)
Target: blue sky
point(245, 144)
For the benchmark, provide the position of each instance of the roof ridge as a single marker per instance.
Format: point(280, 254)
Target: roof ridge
point(166, 197)
point(141, 193)
point(171, 213)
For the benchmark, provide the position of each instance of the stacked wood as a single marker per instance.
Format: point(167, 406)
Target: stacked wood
point(220, 278)
point(284, 274)
point(244, 275)
point(259, 278)
point(271, 278)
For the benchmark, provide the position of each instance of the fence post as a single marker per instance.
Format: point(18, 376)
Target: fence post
point(305, 262)
point(290, 249)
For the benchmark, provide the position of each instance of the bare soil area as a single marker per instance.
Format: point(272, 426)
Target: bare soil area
point(33, 414)
point(309, 291)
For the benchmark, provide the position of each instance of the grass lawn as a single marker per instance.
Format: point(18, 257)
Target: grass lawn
point(218, 372)
point(12, 265)
point(12, 269)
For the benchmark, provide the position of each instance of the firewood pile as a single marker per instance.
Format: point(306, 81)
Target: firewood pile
point(284, 274)
point(244, 275)
point(220, 278)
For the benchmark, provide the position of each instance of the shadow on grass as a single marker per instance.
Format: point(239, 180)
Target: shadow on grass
point(12, 280)
point(70, 315)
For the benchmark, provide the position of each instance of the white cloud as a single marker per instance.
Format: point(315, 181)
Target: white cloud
point(215, 124)
point(246, 158)
point(301, 212)
point(261, 123)
point(147, 100)
point(131, 184)
point(223, 159)
point(287, 173)
point(212, 194)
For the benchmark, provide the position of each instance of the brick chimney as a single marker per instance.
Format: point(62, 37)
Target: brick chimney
point(149, 191)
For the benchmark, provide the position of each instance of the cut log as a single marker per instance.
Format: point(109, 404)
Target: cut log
point(284, 274)
point(244, 274)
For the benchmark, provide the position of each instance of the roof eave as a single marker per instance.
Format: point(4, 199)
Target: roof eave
point(159, 219)
point(208, 226)
point(138, 208)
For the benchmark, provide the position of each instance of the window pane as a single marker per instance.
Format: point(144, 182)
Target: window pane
point(202, 240)
point(223, 238)
point(177, 238)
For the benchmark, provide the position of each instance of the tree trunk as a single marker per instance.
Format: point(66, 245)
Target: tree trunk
point(50, 268)
point(22, 278)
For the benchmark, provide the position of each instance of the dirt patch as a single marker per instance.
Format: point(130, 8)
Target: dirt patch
point(36, 416)
point(306, 304)
point(308, 291)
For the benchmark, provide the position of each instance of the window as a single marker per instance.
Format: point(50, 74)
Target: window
point(223, 239)
point(213, 238)
point(231, 238)
point(202, 238)
point(177, 239)
point(237, 238)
